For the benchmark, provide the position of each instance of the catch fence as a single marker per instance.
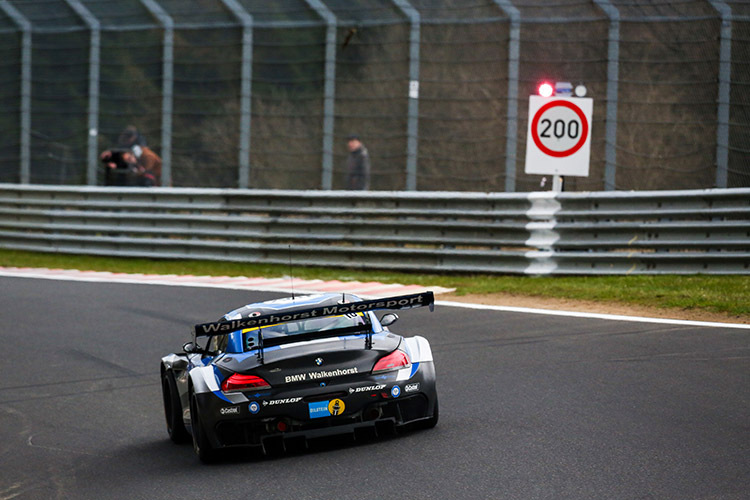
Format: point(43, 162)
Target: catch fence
point(259, 94)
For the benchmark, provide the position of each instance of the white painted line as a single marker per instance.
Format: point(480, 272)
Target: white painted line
point(577, 314)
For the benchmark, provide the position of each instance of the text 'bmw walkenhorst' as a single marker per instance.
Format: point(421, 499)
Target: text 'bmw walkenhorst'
point(294, 369)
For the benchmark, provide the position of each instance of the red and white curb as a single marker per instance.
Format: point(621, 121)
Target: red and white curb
point(369, 289)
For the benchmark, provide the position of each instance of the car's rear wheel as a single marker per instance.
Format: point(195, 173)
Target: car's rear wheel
point(173, 409)
point(201, 445)
point(433, 420)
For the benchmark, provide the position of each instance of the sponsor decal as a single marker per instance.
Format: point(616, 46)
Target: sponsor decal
point(230, 410)
point(400, 302)
point(254, 407)
point(282, 401)
point(319, 361)
point(367, 388)
point(336, 407)
point(396, 391)
point(319, 409)
point(302, 377)
point(411, 387)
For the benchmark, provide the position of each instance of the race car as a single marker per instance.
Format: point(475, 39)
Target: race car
point(285, 371)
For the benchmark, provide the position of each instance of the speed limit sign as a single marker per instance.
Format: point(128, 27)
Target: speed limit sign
point(558, 141)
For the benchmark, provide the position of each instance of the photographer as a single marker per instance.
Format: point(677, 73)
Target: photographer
point(131, 163)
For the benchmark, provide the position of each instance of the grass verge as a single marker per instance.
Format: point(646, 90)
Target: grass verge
point(717, 294)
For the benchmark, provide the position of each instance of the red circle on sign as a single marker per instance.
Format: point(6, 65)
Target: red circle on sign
point(567, 152)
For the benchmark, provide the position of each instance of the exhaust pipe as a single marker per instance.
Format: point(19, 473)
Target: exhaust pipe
point(373, 413)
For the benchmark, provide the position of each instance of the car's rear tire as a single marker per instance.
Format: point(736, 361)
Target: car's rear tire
point(173, 409)
point(203, 448)
point(433, 420)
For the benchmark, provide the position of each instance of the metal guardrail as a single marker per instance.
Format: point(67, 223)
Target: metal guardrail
point(656, 232)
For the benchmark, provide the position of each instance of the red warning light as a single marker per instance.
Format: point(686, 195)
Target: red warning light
point(546, 89)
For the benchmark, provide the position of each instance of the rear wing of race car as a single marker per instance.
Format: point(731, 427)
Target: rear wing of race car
point(390, 303)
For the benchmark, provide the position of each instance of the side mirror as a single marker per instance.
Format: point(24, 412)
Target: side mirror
point(388, 319)
point(191, 348)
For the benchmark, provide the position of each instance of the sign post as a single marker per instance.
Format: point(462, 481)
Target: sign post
point(558, 141)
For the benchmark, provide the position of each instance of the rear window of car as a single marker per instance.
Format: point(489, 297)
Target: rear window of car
point(311, 325)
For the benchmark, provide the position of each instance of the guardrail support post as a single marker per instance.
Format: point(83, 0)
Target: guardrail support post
point(92, 163)
point(514, 52)
point(25, 26)
point(412, 128)
point(329, 90)
point(167, 86)
point(243, 180)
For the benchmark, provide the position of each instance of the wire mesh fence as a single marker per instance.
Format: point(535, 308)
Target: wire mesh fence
point(250, 93)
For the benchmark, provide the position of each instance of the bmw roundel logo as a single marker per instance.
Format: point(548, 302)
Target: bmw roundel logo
point(396, 391)
point(319, 361)
point(254, 407)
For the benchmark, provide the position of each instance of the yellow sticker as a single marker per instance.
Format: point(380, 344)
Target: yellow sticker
point(336, 407)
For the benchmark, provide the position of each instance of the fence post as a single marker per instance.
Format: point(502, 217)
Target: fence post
point(412, 128)
point(514, 51)
point(613, 75)
point(329, 91)
point(167, 77)
point(724, 97)
point(92, 23)
point(244, 17)
point(25, 27)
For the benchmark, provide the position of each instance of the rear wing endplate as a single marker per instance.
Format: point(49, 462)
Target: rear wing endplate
point(398, 302)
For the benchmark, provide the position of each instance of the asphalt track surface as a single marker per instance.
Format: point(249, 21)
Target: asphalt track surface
point(532, 407)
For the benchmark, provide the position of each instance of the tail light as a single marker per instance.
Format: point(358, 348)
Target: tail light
point(395, 360)
point(239, 382)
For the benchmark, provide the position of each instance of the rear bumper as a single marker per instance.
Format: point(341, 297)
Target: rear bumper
point(369, 405)
point(377, 418)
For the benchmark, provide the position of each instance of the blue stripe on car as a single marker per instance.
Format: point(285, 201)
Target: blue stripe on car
point(219, 395)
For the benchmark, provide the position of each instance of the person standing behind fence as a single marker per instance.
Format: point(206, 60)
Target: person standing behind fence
point(357, 165)
point(147, 164)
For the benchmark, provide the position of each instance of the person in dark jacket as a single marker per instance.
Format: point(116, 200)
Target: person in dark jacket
point(134, 158)
point(357, 165)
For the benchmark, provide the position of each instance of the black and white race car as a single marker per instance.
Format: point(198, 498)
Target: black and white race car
point(299, 368)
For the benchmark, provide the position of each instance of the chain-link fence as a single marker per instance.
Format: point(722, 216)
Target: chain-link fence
point(252, 93)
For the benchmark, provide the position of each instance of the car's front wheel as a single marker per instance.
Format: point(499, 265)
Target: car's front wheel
point(201, 445)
